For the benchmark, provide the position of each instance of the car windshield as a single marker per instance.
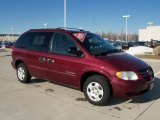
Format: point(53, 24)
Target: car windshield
point(97, 46)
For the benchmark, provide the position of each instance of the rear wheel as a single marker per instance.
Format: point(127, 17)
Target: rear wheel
point(97, 90)
point(22, 73)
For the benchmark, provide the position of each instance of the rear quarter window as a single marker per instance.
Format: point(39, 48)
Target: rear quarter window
point(40, 41)
point(22, 42)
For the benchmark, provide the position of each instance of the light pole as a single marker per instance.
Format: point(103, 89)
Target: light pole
point(45, 25)
point(101, 33)
point(111, 36)
point(19, 33)
point(65, 13)
point(11, 31)
point(150, 23)
point(126, 17)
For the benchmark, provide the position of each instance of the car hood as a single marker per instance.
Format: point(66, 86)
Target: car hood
point(124, 61)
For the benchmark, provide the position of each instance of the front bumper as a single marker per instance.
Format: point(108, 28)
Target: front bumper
point(128, 89)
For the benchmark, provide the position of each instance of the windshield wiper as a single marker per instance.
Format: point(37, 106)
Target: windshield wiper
point(110, 51)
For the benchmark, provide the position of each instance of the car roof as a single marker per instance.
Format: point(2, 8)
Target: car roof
point(70, 30)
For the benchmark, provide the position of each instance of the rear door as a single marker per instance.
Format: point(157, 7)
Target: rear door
point(38, 47)
point(62, 66)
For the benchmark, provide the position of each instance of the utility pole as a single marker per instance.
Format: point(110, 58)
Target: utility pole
point(11, 32)
point(65, 13)
point(150, 23)
point(126, 17)
point(45, 25)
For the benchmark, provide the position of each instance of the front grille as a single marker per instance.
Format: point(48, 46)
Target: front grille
point(147, 74)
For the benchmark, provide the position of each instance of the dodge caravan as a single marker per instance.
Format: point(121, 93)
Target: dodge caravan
point(82, 60)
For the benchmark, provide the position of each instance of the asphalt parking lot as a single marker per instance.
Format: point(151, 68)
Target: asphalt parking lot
point(41, 100)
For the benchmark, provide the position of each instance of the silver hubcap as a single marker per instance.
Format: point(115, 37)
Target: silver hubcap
point(95, 91)
point(21, 73)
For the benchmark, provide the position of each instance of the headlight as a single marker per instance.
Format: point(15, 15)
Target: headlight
point(127, 75)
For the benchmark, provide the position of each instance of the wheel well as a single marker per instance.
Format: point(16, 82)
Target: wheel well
point(86, 75)
point(18, 62)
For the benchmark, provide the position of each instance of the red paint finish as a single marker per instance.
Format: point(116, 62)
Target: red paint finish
point(35, 66)
point(69, 70)
point(63, 70)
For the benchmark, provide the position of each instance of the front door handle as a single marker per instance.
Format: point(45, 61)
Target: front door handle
point(42, 59)
point(50, 61)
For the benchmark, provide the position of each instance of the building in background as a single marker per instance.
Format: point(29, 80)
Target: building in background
point(150, 33)
point(111, 36)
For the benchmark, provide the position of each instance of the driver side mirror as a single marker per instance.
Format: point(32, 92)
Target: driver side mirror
point(74, 51)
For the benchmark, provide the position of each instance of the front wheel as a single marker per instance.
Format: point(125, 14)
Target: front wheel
point(97, 90)
point(22, 73)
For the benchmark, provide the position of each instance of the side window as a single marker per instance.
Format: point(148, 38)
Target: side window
point(40, 42)
point(62, 43)
point(22, 41)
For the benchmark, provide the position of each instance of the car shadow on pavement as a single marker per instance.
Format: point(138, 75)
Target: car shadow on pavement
point(150, 96)
point(37, 80)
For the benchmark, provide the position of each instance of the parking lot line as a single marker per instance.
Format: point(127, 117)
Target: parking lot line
point(157, 73)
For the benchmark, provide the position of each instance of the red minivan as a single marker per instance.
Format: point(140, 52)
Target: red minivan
point(81, 60)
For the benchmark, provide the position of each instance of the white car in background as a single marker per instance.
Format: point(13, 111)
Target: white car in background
point(117, 46)
point(3, 45)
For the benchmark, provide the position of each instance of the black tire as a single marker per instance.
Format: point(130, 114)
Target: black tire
point(104, 86)
point(26, 78)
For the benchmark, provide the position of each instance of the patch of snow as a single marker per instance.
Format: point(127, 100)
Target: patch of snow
point(140, 50)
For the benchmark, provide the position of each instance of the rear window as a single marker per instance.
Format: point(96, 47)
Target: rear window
point(39, 41)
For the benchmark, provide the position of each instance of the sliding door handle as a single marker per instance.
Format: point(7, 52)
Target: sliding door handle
point(42, 59)
point(50, 61)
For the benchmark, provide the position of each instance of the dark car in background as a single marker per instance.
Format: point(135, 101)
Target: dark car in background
point(153, 43)
point(0, 44)
point(139, 43)
point(119, 47)
point(131, 44)
point(4, 44)
point(157, 43)
point(124, 45)
point(9, 44)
